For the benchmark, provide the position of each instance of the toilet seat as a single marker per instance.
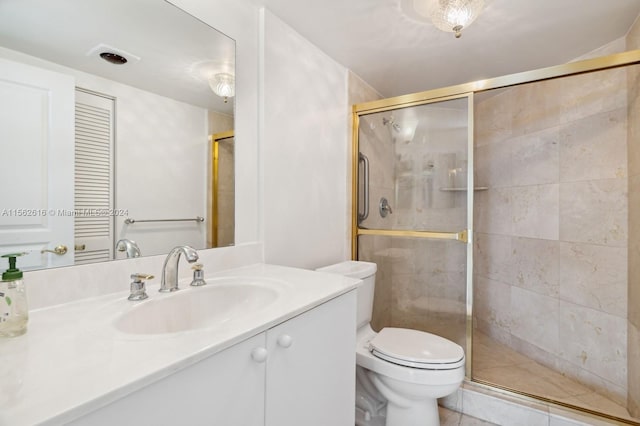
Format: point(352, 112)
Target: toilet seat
point(417, 349)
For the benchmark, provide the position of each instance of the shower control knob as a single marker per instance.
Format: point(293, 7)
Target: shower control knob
point(384, 207)
point(259, 355)
point(285, 340)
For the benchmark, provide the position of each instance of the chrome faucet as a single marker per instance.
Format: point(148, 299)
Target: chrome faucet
point(169, 280)
point(129, 246)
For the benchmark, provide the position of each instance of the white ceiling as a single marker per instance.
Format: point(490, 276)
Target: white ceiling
point(389, 47)
point(383, 41)
point(177, 52)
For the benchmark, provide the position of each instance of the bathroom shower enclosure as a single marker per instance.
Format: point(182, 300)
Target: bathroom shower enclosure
point(527, 271)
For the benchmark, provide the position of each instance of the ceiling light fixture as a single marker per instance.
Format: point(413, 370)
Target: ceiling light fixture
point(223, 85)
point(450, 15)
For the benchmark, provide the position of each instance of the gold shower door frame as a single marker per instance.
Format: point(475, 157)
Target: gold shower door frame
point(215, 181)
point(466, 236)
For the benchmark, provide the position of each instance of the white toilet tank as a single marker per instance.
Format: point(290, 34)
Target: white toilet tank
point(365, 271)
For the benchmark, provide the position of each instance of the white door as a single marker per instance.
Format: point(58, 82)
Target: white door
point(36, 168)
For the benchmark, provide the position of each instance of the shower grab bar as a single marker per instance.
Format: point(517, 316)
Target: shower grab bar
point(129, 221)
point(365, 183)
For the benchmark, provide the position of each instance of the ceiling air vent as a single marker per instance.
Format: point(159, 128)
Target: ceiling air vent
point(112, 54)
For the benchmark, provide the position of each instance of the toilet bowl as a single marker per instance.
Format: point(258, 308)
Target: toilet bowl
point(400, 373)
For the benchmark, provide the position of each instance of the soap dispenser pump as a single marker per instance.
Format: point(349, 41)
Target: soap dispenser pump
point(14, 312)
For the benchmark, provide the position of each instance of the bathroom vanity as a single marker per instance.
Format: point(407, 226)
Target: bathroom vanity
point(286, 360)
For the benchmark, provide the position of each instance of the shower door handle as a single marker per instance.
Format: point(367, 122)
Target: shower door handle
point(365, 184)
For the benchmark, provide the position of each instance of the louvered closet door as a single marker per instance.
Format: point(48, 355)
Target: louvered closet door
point(93, 178)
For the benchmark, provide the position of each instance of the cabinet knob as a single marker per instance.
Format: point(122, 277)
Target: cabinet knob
point(259, 354)
point(285, 340)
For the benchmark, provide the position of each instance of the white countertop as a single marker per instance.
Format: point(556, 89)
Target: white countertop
point(72, 360)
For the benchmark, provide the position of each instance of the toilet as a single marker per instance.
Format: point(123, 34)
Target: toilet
point(400, 373)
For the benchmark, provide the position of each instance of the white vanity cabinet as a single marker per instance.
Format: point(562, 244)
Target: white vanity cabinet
point(311, 367)
point(300, 372)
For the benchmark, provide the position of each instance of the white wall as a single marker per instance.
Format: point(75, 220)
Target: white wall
point(305, 150)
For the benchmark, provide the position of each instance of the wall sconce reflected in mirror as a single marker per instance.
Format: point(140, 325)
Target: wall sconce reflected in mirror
point(223, 85)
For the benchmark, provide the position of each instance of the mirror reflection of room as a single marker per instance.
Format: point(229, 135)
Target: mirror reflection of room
point(94, 125)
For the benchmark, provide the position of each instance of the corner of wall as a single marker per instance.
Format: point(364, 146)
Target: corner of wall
point(362, 86)
point(633, 278)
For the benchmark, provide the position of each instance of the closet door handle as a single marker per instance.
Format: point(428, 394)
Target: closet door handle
point(59, 250)
point(365, 183)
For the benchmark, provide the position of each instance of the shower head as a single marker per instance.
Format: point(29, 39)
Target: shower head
point(391, 121)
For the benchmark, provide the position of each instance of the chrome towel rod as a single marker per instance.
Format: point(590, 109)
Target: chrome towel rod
point(130, 221)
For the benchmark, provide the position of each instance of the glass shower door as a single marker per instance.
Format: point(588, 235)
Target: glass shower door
point(413, 215)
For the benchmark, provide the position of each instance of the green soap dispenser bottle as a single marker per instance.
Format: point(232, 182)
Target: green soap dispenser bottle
point(14, 312)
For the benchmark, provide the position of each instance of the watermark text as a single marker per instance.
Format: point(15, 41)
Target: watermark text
point(63, 212)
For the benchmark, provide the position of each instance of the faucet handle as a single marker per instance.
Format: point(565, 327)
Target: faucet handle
point(138, 276)
point(198, 275)
point(138, 290)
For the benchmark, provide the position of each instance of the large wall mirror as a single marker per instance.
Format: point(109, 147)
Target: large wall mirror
point(102, 159)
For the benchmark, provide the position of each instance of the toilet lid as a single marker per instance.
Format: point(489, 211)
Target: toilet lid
point(417, 349)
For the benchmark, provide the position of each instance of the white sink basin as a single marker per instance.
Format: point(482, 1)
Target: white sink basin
point(219, 301)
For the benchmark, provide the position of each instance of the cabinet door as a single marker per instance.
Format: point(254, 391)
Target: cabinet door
point(226, 389)
point(311, 367)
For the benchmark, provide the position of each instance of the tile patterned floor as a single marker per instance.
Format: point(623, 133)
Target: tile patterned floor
point(496, 363)
point(453, 418)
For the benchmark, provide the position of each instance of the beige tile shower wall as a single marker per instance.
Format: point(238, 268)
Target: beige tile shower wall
point(551, 232)
point(633, 135)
